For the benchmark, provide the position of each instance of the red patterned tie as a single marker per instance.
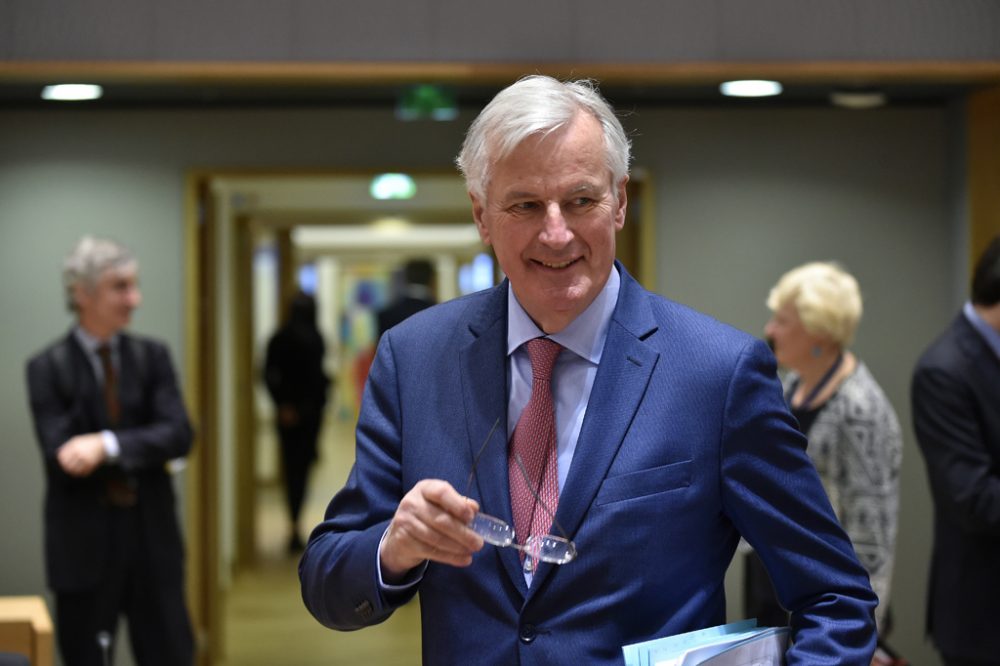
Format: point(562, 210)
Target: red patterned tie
point(120, 491)
point(534, 441)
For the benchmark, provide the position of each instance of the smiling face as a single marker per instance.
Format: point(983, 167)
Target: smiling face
point(551, 213)
point(106, 307)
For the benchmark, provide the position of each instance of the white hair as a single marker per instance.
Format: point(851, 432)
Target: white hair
point(536, 105)
point(88, 259)
point(825, 296)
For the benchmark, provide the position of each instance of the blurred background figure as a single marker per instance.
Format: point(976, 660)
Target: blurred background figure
point(359, 335)
point(956, 416)
point(416, 293)
point(109, 417)
point(293, 373)
point(853, 433)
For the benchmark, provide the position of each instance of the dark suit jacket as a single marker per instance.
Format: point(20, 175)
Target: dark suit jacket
point(686, 444)
point(400, 310)
point(153, 429)
point(956, 416)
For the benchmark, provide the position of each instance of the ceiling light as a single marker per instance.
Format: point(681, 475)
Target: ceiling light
point(392, 186)
point(72, 92)
point(391, 226)
point(858, 99)
point(750, 88)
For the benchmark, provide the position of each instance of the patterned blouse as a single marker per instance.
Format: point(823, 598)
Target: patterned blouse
point(857, 447)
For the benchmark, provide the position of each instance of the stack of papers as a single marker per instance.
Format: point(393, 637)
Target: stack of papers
point(736, 644)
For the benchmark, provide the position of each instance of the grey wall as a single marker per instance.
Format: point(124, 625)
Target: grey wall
point(741, 196)
point(487, 31)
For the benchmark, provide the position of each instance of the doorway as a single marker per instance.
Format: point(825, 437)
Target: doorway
point(254, 239)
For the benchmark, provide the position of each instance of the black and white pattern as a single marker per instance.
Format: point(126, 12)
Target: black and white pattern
point(857, 447)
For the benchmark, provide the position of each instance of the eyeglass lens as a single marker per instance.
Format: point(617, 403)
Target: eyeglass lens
point(493, 530)
point(547, 548)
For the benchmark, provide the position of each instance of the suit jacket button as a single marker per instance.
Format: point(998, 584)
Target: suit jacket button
point(528, 633)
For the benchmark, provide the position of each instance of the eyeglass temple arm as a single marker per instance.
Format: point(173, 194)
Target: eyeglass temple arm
point(479, 454)
point(548, 510)
point(524, 475)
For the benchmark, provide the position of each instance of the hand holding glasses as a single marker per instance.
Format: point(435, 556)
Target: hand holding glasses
point(493, 530)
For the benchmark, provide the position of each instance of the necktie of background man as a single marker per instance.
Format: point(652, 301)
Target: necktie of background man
point(110, 384)
point(119, 490)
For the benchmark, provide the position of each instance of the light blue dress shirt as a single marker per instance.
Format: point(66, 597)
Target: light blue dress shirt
point(572, 380)
point(575, 369)
point(990, 334)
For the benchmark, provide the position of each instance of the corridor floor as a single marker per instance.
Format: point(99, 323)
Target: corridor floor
point(266, 622)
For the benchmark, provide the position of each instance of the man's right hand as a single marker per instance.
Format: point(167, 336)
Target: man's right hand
point(431, 523)
point(81, 454)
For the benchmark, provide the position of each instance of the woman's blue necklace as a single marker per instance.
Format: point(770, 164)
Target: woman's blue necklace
point(807, 403)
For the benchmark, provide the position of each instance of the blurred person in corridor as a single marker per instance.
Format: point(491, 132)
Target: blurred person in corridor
point(298, 385)
point(416, 294)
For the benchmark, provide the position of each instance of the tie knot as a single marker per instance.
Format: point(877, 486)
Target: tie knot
point(104, 352)
point(543, 353)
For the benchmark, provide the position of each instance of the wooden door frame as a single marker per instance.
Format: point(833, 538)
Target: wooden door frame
point(202, 519)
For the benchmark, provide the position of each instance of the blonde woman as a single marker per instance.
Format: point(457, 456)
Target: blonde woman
point(854, 435)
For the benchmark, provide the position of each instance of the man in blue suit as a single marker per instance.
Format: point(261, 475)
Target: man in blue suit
point(671, 437)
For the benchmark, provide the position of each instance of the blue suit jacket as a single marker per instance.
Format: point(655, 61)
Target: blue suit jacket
point(686, 445)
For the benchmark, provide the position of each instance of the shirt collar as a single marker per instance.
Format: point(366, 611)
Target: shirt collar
point(990, 334)
point(584, 336)
point(90, 343)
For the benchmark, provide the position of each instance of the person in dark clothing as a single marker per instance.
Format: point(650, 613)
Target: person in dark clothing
point(955, 394)
point(109, 416)
point(415, 295)
point(293, 373)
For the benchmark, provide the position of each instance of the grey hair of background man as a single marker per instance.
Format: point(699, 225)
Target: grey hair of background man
point(536, 104)
point(88, 259)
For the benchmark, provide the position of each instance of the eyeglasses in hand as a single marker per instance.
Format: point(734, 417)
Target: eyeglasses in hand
point(493, 530)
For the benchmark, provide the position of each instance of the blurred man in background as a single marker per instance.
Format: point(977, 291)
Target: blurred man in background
point(109, 417)
point(956, 417)
point(415, 294)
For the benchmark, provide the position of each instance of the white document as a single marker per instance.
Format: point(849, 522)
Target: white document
point(764, 647)
point(735, 644)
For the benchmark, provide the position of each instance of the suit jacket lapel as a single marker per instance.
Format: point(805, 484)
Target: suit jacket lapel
point(626, 365)
point(484, 390)
point(129, 381)
point(86, 387)
point(982, 359)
